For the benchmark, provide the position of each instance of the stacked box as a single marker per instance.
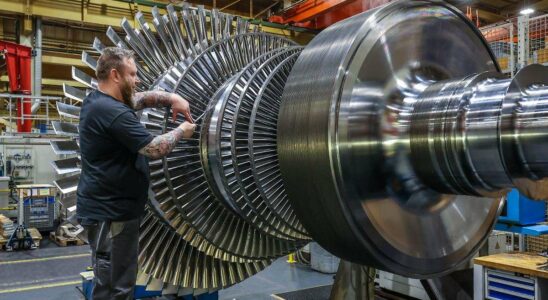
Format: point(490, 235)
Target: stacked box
point(6, 227)
point(504, 62)
point(542, 56)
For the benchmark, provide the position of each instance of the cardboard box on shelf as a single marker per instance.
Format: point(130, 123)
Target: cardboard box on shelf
point(542, 56)
point(504, 62)
point(6, 226)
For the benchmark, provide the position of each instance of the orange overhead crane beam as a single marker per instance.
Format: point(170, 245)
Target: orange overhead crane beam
point(311, 8)
point(319, 14)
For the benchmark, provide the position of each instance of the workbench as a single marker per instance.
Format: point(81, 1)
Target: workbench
point(511, 276)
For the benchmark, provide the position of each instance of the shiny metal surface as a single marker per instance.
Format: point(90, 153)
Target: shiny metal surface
point(89, 60)
point(523, 131)
point(348, 161)
point(165, 255)
point(68, 184)
point(188, 184)
point(386, 139)
point(261, 142)
point(490, 134)
point(66, 166)
point(84, 78)
point(189, 242)
point(67, 110)
point(74, 93)
point(66, 129)
point(68, 201)
point(225, 143)
point(65, 147)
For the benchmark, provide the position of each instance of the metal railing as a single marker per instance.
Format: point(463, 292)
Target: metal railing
point(501, 39)
point(538, 38)
point(45, 112)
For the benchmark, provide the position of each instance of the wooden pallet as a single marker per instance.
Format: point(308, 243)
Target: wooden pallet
point(34, 234)
point(63, 241)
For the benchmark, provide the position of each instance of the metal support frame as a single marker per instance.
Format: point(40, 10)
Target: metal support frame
point(229, 5)
point(523, 41)
point(512, 62)
point(37, 80)
point(501, 39)
point(18, 63)
point(45, 102)
point(251, 8)
point(267, 9)
point(353, 281)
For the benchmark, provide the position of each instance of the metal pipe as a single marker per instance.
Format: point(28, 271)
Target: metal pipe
point(229, 5)
point(37, 84)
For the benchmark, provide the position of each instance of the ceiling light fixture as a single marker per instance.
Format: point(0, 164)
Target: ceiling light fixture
point(527, 11)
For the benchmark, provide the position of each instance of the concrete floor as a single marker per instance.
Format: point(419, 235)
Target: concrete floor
point(52, 273)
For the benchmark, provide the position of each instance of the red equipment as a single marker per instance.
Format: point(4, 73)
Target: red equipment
point(18, 60)
point(319, 14)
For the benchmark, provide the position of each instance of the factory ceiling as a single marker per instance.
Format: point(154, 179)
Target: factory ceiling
point(69, 26)
point(489, 11)
point(493, 11)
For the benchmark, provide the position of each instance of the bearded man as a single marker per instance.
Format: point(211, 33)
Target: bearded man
point(113, 187)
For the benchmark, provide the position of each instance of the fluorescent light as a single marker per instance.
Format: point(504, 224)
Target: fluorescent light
point(527, 11)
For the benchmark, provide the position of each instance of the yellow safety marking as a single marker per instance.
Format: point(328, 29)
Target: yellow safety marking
point(40, 286)
point(43, 259)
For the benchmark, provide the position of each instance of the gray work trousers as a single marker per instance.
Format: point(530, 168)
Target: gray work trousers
point(114, 247)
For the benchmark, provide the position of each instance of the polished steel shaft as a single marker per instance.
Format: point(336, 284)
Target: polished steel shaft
point(483, 134)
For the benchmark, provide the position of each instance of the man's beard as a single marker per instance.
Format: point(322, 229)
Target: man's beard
point(128, 91)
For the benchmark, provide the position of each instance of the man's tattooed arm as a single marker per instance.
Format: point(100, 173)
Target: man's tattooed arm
point(151, 99)
point(162, 145)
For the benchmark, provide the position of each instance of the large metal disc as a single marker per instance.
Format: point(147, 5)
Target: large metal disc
point(228, 139)
point(344, 143)
point(191, 199)
point(261, 128)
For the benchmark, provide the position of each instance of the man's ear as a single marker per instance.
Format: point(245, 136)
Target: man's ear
point(114, 75)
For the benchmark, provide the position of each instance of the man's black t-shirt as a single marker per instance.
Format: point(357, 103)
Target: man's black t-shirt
point(115, 177)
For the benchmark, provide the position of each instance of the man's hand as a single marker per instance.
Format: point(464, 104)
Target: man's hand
point(159, 99)
point(188, 129)
point(180, 105)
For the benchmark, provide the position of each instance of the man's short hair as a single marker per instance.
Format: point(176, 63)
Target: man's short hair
point(112, 58)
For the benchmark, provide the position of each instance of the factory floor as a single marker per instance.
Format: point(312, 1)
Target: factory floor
point(52, 273)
